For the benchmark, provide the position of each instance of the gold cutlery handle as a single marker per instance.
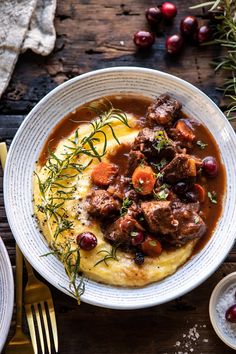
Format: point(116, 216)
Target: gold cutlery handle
point(19, 277)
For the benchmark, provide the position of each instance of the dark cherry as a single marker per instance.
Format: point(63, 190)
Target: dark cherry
point(174, 44)
point(192, 196)
point(210, 166)
point(144, 39)
point(230, 314)
point(139, 258)
point(188, 26)
point(204, 34)
point(87, 241)
point(137, 237)
point(153, 15)
point(180, 188)
point(169, 10)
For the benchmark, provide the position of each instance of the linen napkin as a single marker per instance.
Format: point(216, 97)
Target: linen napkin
point(24, 24)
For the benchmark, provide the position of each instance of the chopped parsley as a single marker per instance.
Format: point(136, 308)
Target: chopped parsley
point(125, 205)
point(160, 164)
point(162, 141)
point(134, 234)
point(163, 193)
point(212, 196)
point(201, 144)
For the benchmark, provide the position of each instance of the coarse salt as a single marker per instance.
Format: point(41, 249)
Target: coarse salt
point(226, 300)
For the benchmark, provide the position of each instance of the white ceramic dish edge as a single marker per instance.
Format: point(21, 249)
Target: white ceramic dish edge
point(7, 295)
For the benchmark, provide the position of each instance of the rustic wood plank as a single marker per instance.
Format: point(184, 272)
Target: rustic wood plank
point(93, 35)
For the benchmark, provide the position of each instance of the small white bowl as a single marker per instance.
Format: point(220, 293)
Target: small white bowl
point(221, 288)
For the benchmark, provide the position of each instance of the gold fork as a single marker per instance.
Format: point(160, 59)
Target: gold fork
point(19, 344)
point(36, 296)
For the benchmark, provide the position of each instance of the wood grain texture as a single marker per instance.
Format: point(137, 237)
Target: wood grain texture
point(94, 34)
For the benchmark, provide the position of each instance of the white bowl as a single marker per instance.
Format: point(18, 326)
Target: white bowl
point(30, 139)
point(217, 320)
point(6, 294)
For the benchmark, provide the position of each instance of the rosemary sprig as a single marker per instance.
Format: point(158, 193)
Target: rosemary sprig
point(59, 169)
point(108, 255)
point(57, 188)
point(225, 36)
point(70, 257)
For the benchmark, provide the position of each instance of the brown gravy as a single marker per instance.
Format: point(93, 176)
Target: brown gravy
point(138, 106)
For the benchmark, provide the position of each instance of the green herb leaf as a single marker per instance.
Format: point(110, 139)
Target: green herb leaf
point(162, 141)
point(109, 255)
point(125, 205)
point(196, 219)
point(201, 144)
point(212, 196)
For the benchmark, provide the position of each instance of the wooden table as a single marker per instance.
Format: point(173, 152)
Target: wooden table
point(94, 34)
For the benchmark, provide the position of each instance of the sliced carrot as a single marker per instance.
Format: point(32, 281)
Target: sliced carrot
point(192, 168)
point(103, 173)
point(151, 246)
point(185, 131)
point(143, 180)
point(201, 192)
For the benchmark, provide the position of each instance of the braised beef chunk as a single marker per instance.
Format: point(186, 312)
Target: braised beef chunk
point(120, 186)
point(120, 230)
point(159, 216)
point(181, 167)
point(145, 141)
point(190, 224)
point(134, 159)
point(101, 203)
point(154, 142)
point(163, 111)
point(183, 133)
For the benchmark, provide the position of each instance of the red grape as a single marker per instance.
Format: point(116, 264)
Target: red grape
point(210, 166)
point(204, 34)
point(169, 10)
point(188, 26)
point(137, 237)
point(230, 314)
point(153, 15)
point(144, 39)
point(174, 44)
point(87, 241)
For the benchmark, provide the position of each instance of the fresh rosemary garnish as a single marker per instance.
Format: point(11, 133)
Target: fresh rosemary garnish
point(212, 196)
point(125, 205)
point(201, 144)
point(70, 257)
point(224, 12)
point(58, 186)
point(108, 255)
point(161, 141)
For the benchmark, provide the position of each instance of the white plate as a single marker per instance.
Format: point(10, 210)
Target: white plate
point(29, 141)
point(6, 294)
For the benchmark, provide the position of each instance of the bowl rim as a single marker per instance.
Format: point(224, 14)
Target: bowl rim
point(10, 295)
point(87, 76)
point(213, 299)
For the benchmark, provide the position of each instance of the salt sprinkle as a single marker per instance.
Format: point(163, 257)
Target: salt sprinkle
point(189, 340)
point(226, 300)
